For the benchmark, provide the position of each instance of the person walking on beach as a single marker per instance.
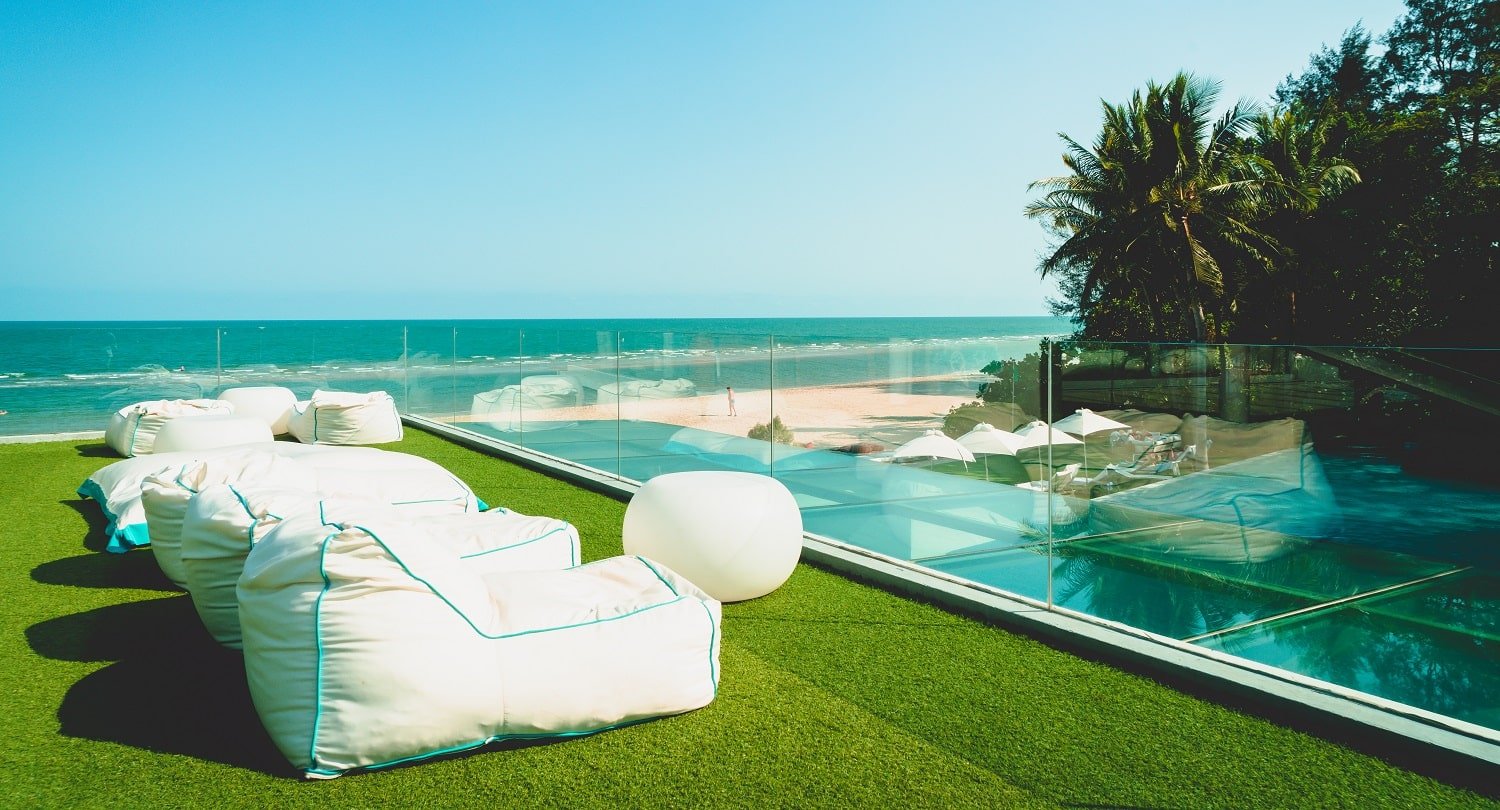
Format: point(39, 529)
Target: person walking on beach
point(729, 389)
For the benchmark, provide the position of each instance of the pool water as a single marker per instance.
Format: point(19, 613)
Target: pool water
point(1339, 567)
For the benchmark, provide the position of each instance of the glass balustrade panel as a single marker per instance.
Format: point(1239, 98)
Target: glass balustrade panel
point(66, 377)
point(673, 396)
point(1290, 504)
point(557, 397)
point(485, 378)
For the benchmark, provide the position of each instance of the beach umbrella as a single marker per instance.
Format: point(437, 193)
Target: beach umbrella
point(1084, 422)
point(1035, 434)
point(987, 440)
point(933, 444)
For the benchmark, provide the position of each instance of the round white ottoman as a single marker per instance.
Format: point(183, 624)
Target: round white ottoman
point(735, 535)
point(271, 404)
point(208, 432)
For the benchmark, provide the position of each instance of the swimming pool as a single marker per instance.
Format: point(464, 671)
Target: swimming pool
point(1339, 567)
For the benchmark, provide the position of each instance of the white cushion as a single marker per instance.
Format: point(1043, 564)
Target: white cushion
point(223, 523)
point(518, 407)
point(343, 417)
point(165, 495)
point(647, 389)
point(420, 485)
point(735, 535)
point(271, 404)
point(367, 644)
point(208, 432)
point(132, 429)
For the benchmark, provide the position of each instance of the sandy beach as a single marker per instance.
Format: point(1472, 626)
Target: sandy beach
point(822, 416)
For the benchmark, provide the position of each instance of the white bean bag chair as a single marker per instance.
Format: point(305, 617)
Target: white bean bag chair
point(647, 389)
point(342, 417)
point(271, 404)
point(419, 485)
point(165, 495)
point(368, 645)
point(513, 406)
point(132, 429)
point(224, 521)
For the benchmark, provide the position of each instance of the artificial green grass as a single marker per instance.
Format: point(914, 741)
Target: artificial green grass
point(832, 693)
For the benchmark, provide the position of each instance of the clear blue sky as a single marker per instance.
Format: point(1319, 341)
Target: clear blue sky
point(416, 160)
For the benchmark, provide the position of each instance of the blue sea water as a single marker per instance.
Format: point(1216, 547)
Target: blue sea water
point(57, 376)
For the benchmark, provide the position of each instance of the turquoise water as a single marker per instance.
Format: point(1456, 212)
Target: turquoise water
point(1375, 579)
point(68, 375)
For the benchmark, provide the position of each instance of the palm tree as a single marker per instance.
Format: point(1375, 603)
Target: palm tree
point(1161, 209)
point(1291, 146)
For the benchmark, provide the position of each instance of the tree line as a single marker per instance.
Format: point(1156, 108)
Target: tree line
point(1360, 205)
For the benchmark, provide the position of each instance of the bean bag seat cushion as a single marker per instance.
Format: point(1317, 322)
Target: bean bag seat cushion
point(132, 429)
point(647, 389)
point(415, 483)
point(271, 404)
point(165, 495)
point(368, 645)
point(342, 417)
point(224, 521)
point(511, 407)
point(412, 483)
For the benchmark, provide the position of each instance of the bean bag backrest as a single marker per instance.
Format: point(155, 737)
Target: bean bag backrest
point(132, 429)
point(116, 487)
point(367, 644)
point(424, 487)
point(224, 522)
point(342, 417)
point(1228, 442)
point(165, 495)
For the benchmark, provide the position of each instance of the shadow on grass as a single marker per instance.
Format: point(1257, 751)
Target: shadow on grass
point(136, 570)
point(96, 450)
point(164, 627)
point(95, 540)
point(170, 690)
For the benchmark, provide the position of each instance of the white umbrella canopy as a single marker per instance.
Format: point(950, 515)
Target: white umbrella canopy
point(1084, 422)
point(986, 438)
point(933, 444)
point(1036, 433)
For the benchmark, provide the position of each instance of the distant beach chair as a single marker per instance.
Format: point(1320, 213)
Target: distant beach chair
point(1158, 470)
point(1060, 479)
point(1054, 509)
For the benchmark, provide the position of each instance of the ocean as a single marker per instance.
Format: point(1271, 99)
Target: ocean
point(65, 376)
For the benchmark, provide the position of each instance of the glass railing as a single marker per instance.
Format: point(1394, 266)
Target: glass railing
point(1331, 511)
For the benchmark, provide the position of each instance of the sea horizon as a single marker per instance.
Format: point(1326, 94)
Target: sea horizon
point(85, 369)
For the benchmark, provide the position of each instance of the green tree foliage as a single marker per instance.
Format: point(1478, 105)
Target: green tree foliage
point(1158, 220)
point(1359, 207)
point(773, 431)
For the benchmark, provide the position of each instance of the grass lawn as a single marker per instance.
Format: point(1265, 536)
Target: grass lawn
point(833, 693)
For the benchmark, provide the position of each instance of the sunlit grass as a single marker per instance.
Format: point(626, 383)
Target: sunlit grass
point(833, 693)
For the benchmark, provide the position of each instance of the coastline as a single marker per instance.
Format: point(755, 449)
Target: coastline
point(823, 416)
